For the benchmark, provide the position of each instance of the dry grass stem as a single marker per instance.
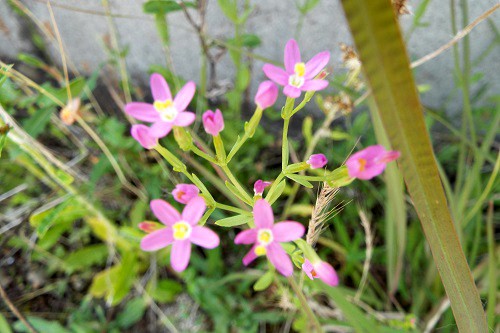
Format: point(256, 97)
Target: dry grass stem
point(369, 252)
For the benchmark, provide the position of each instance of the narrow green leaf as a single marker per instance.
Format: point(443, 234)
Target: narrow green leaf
point(264, 281)
point(274, 194)
point(386, 66)
point(298, 179)
point(132, 313)
point(234, 221)
point(4, 130)
point(4, 325)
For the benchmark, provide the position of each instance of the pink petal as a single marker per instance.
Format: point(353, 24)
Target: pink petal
point(204, 237)
point(291, 91)
point(250, 256)
point(287, 231)
point(314, 85)
point(142, 111)
point(185, 118)
point(160, 129)
point(316, 64)
point(327, 274)
point(157, 240)
point(143, 135)
point(292, 55)
point(263, 214)
point(280, 259)
point(276, 74)
point(194, 210)
point(159, 88)
point(307, 267)
point(184, 96)
point(183, 193)
point(246, 237)
point(167, 214)
point(181, 252)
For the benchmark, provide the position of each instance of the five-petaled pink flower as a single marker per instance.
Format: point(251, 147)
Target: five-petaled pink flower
point(298, 76)
point(183, 193)
point(259, 186)
point(266, 94)
point(317, 161)
point(181, 230)
point(370, 162)
point(267, 236)
point(321, 270)
point(164, 113)
point(213, 122)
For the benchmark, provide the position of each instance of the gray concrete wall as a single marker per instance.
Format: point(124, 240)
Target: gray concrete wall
point(274, 21)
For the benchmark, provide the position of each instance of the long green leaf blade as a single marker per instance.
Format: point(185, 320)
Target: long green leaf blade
point(386, 66)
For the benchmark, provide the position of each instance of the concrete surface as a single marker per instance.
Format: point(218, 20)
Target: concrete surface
point(274, 21)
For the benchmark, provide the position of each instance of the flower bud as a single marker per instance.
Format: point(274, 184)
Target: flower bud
point(259, 186)
point(266, 94)
point(70, 112)
point(183, 193)
point(317, 161)
point(142, 134)
point(213, 122)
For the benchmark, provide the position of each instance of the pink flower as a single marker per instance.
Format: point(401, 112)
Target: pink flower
point(143, 135)
point(266, 94)
point(149, 227)
point(267, 236)
point(317, 161)
point(164, 113)
point(370, 162)
point(298, 76)
point(321, 270)
point(183, 193)
point(259, 186)
point(181, 230)
point(213, 122)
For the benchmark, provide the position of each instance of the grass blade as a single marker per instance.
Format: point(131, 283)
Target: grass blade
point(387, 68)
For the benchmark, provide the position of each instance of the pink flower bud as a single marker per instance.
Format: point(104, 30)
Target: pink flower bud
point(317, 161)
point(259, 186)
point(370, 162)
point(183, 193)
point(266, 94)
point(149, 227)
point(213, 122)
point(321, 270)
point(142, 134)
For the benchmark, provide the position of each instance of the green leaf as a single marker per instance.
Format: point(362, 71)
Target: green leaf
point(4, 77)
point(84, 258)
point(132, 313)
point(65, 211)
point(4, 130)
point(298, 179)
point(4, 325)
point(230, 9)
point(37, 123)
point(386, 66)
point(234, 221)
point(250, 40)
point(41, 325)
point(264, 281)
point(275, 193)
point(164, 6)
point(165, 290)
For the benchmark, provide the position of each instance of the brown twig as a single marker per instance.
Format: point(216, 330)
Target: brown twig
point(15, 311)
point(461, 34)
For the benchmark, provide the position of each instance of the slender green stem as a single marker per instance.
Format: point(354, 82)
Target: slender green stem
point(202, 154)
point(250, 128)
point(285, 149)
point(235, 182)
point(305, 306)
point(492, 290)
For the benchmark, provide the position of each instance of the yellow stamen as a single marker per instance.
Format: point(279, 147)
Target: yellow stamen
point(265, 236)
point(182, 230)
point(362, 164)
point(300, 69)
point(260, 250)
point(162, 105)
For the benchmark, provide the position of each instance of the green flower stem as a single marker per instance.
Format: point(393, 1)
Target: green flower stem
point(305, 306)
point(202, 154)
point(250, 128)
point(245, 196)
point(275, 184)
point(286, 114)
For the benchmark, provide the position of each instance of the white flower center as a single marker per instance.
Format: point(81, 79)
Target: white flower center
point(297, 79)
point(265, 237)
point(182, 230)
point(166, 109)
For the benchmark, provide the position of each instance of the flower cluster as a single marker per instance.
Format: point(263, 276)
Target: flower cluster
point(267, 238)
